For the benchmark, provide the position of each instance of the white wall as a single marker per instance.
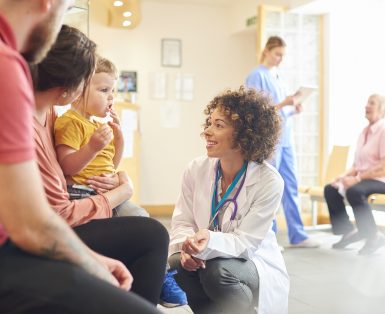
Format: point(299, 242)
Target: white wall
point(356, 66)
point(215, 58)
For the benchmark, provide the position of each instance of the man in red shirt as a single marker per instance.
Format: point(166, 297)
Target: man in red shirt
point(44, 267)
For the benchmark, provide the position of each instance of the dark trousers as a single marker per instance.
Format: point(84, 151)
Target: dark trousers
point(226, 285)
point(32, 284)
point(357, 197)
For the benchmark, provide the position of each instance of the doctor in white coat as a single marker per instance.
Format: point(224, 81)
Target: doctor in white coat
point(222, 242)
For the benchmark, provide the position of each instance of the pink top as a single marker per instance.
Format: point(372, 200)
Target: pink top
point(370, 147)
point(75, 212)
point(16, 104)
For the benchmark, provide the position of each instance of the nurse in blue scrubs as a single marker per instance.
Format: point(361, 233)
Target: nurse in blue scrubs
point(265, 78)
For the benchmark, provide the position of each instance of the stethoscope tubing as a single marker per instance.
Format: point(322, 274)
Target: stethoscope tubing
point(233, 200)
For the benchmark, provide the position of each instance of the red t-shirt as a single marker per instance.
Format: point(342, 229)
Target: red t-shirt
point(16, 106)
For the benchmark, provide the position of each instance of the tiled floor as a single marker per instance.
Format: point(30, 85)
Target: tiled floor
point(185, 309)
point(330, 281)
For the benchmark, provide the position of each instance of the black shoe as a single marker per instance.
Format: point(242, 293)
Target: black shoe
point(347, 239)
point(373, 244)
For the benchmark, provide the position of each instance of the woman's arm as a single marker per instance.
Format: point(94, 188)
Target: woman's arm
point(77, 212)
point(288, 101)
point(121, 193)
point(371, 173)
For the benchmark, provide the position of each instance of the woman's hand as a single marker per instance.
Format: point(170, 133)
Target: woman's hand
point(298, 108)
point(288, 101)
point(191, 263)
point(103, 183)
point(106, 182)
point(126, 180)
point(197, 243)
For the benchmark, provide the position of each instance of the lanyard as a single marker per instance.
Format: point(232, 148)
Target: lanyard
point(215, 206)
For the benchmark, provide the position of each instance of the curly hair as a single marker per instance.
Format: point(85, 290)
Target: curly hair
point(256, 121)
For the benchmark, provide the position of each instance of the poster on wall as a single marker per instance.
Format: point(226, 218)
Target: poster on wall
point(158, 85)
point(170, 115)
point(127, 86)
point(171, 52)
point(184, 87)
point(127, 82)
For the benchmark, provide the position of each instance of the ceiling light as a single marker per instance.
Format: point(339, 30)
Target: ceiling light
point(118, 3)
point(126, 23)
point(127, 14)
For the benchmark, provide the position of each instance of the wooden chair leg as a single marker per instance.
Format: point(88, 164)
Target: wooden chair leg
point(314, 213)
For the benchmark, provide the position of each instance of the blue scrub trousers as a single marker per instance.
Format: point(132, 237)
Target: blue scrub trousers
point(285, 163)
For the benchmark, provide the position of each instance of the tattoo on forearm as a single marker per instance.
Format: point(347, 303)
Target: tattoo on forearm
point(62, 244)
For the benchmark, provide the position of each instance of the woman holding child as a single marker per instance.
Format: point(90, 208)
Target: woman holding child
point(58, 80)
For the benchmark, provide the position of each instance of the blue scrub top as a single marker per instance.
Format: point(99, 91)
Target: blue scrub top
point(262, 80)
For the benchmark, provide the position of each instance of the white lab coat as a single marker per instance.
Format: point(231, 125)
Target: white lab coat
point(250, 236)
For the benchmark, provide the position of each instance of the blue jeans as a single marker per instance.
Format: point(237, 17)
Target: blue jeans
point(226, 285)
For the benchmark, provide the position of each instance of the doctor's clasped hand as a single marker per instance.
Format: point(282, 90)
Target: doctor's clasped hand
point(194, 245)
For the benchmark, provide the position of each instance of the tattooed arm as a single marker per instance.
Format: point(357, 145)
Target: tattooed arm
point(34, 227)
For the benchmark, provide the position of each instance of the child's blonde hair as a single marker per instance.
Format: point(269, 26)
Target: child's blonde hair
point(104, 65)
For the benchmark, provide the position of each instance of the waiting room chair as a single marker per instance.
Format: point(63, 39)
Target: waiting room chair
point(336, 164)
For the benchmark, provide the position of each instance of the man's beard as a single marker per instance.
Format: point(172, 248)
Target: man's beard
point(41, 39)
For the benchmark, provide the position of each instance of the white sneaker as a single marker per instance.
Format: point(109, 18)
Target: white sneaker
point(307, 244)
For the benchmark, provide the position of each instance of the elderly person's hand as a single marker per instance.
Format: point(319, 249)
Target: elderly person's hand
point(349, 181)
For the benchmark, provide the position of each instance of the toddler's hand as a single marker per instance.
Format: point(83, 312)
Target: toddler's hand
point(101, 137)
point(115, 126)
point(114, 116)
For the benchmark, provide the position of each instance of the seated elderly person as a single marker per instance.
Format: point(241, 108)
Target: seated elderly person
point(365, 177)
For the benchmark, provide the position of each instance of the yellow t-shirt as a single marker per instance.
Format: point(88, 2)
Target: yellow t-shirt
point(73, 130)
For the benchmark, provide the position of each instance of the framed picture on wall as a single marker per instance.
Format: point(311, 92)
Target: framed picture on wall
point(171, 52)
point(127, 82)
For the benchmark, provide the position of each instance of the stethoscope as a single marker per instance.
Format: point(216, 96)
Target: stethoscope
point(217, 207)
